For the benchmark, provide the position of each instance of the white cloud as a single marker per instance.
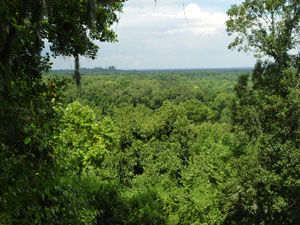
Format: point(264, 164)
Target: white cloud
point(168, 36)
point(173, 19)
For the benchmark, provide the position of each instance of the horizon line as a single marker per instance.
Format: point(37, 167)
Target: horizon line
point(161, 69)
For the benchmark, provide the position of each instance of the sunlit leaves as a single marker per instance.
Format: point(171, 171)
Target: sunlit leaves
point(84, 141)
point(266, 27)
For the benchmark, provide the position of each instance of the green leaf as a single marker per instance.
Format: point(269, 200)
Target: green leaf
point(27, 140)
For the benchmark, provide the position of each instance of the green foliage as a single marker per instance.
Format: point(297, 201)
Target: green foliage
point(34, 187)
point(169, 160)
point(74, 21)
point(267, 27)
point(198, 112)
point(266, 113)
point(269, 167)
point(83, 141)
point(145, 208)
point(147, 148)
point(108, 92)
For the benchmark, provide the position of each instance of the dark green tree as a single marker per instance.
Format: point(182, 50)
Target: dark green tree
point(265, 114)
point(267, 27)
point(33, 189)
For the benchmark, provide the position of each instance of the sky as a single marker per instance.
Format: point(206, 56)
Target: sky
point(170, 34)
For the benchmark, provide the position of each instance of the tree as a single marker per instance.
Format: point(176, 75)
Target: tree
point(33, 188)
point(267, 27)
point(69, 26)
point(265, 114)
point(83, 141)
point(80, 22)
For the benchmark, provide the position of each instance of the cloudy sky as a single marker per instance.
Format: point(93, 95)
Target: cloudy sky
point(171, 34)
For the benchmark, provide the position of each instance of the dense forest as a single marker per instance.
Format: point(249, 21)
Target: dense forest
point(173, 147)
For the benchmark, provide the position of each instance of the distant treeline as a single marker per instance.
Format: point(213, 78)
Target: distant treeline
point(84, 71)
point(112, 70)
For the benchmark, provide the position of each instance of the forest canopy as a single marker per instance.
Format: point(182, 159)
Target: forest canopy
point(173, 147)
